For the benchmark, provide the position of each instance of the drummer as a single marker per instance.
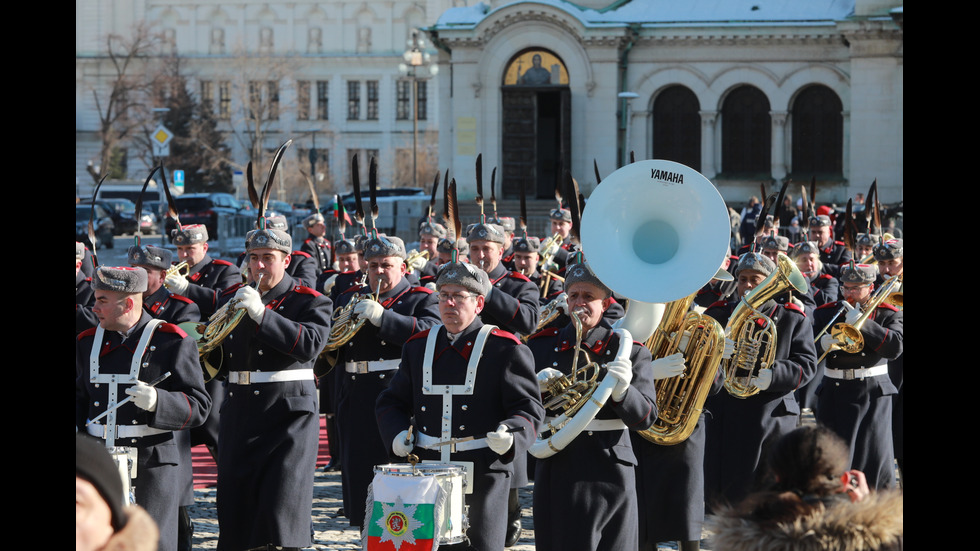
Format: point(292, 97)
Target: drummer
point(484, 378)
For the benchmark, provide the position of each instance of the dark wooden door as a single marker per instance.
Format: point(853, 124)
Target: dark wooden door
point(536, 139)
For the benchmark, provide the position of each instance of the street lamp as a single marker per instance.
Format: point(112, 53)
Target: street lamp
point(417, 65)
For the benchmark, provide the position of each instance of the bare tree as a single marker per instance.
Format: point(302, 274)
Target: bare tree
point(427, 162)
point(122, 103)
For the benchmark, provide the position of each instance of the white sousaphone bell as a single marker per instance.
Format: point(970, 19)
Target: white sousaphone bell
point(653, 231)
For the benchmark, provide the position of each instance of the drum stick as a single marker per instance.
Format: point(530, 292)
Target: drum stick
point(468, 438)
point(154, 382)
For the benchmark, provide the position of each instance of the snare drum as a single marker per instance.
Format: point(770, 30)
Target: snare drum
point(402, 496)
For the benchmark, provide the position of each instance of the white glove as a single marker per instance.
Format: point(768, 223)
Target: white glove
point(729, 349)
point(402, 446)
point(852, 314)
point(623, 371)
point(144, 396)
point(371, 310)
point(430, 285)
point(762, 380)
point(797, 302)
point(668, 366)
point(561, 301)
point(545, 375)
point(329, 283)
point(177, 283)
point(250, 299)
point(827, 342)
point(501, 440)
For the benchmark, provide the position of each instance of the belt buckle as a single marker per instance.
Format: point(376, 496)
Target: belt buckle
point(360, 368)
point(244, 378)
point(849, 375)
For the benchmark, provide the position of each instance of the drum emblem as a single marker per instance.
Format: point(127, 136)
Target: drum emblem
point(397, 523)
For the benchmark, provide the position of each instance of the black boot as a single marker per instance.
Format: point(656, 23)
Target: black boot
point(514, 528)
point(185, 530)
point(689, 545)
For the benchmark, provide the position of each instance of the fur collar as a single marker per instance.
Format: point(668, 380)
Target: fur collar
point(874, 523)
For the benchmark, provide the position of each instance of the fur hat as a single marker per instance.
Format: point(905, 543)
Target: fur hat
point(805, 247)
point(562, 215)
point(313, 219)
point(383, 246)
point(486, 232)
point(820, 221)
point(890, 250)
point(434, 229)
point(269, 238)
point(527, 245)
point(344, 246)
point(447, 246)
point(465, 275)
point(277, 222)
point(189, 235)
point(858, 273)
point(776, 242)
point(150, 256)
point(755, 261)
point(506, 222)
point(123, 279)
point(582, 273)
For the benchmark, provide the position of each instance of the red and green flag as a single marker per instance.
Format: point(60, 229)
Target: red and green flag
point(403, 513)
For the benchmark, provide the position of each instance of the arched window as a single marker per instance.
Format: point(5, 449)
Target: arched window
point(818, 134)
point(746, 134)
point(677, 127)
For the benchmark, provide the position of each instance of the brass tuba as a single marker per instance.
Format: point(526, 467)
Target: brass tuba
point(680, 399)
point(754, 333)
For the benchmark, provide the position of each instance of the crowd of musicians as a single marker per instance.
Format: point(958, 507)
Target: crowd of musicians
point(453, 348)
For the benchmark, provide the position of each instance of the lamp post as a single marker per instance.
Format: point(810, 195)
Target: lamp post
point(418, 65)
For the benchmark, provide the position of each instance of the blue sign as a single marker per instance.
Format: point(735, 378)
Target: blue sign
point(178, 177)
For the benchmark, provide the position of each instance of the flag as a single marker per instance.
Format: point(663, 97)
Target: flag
point(404, 512)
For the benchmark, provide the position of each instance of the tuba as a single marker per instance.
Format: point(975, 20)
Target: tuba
point(654, 231)
point(754, 333)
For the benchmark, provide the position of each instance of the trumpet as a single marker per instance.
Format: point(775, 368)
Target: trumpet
point(181, 269)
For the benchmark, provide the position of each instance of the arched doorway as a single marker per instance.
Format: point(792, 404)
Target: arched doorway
point(536, 123)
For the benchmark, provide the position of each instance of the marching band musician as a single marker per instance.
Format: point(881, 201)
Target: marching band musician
point(525, 262)
point(834, 254)
point(430, 233)
point(512, 305)
point(345, 262)
point(204, 273)
point(466, 379)
point(368, 361)
point(160, 303)
point(740, 430)
point(270, 427)
point(585, 494)
point(890, 256)
point(772, 247)
point(316, 245)
point(302, 266)
point(855, 398)
point(561, 223)
point(446, 248)
point(130, 346)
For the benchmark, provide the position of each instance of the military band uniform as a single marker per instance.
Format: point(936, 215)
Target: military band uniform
point(207, 276)
point(269, 431)
point(503, 391)
point(175, 309)
point(319, 250)
point(857, 404)
point(303, 268)
point(85, 318)
point(739, 431)
point(365, 367)
point(182, 403)
point(585, 495)
point(835, 255)
point(513, 303)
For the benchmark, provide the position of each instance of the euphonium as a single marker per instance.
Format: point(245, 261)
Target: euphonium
point(680, 399)
point(345, 323)
point(848, 337)
point(754, 333)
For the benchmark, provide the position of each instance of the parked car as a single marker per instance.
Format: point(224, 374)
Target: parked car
point(204, 208)
point(122, 211)
point(101, 223)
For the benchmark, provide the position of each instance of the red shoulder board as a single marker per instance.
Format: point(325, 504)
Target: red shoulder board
point(419, 335)
point(841, 243)
point(826, 276)
point(301, 253)
point(87, 333)
point(353, 289)
point(221, 262)
point(181, 298)
point(306, 290)
point(546, 332)
point(719, 304)
point(420, 289)
point(887, 306)
point(505, 334)
point(171, 328)
point(232, 290)
point(518, 275)
point(828, 305)
point(795, 308)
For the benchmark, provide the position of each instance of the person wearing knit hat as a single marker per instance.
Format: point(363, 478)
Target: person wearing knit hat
point(316, 245)
point(833, 254)
point(103, 517)
point(464, 379)
point(586, 492)
point(512, 303)
point(204, 274)
point(150, 423)
point(856, 397)
point(393, 309)
point(824, 287)
point(740, 427)
point(269, 432)
point(525, 262)
point(157, 299)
